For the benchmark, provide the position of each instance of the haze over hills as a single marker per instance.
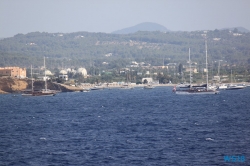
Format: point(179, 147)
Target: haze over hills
point(146, 26)
point(240, 29)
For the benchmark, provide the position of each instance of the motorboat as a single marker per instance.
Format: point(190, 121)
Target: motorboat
point(183, 85)
point(85, 90)
point(126, 86)
point(97, 87)
point(235, 87)
point(222, 87)
point(149, 86)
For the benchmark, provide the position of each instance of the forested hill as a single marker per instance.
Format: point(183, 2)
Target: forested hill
point(85, 49)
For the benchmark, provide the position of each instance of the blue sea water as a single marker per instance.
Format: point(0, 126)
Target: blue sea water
point(121, 127)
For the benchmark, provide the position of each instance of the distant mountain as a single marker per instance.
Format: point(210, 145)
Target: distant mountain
point(240, 29)
point(147, 26)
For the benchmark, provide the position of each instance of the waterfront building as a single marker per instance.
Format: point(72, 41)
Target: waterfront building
point(13, 72)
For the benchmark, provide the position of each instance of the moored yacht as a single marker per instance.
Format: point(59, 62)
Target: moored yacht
point(127, 86)
point(222, 87)
point(235, 87)
point(97, 87)
point(149, 86)
point(201, 89)
point(46, 91)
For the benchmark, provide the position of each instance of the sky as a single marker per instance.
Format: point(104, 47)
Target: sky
point(65, 16)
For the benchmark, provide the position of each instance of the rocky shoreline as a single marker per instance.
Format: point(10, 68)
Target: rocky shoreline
point(14, 85)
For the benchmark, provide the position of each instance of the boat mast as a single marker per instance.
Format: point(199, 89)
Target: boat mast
point(231, 77)
point(206, 63)
point(190, 73)
point(45, 75)
point(32, 88)
point(219, 68)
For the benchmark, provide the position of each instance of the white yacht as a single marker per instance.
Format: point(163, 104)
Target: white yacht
point(222, 87)
point(235, 87)
point(149, 86)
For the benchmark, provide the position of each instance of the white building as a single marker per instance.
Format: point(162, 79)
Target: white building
point(64, 77)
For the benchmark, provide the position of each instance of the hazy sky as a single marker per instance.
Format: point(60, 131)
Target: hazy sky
point(24, 16)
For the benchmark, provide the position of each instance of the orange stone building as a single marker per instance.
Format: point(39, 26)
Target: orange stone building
point(13, 72)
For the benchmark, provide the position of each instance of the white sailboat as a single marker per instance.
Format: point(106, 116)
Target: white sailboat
point(197, 90)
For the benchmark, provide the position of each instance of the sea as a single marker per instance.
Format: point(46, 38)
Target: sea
point(125, 127)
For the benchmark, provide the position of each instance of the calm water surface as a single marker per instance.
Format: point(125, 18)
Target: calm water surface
point(125, 127)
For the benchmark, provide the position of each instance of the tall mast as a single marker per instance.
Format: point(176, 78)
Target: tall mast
point(190, 73)
point(231, 77)
point(219, 69)
point(45, 75)
point(31, 79)
point(206, 62)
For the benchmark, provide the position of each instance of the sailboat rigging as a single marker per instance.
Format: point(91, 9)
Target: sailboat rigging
point(197, 89)
point(46, 91)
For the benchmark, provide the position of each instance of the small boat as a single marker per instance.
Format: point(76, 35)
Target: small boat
point(97, 87)
point(212, 87)
point(222, 87)
point(126, 86)
point(85, 90)
point(149, 87)
point(181, 85)
point(235, 87)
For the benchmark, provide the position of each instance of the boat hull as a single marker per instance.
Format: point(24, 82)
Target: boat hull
point(234, 88)
point(44, 94)
point(196, 92)
point(26, 94)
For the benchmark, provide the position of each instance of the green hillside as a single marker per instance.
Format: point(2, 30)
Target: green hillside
point(88, 49)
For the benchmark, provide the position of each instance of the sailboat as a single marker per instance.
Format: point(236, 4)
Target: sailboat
point(46, 91)
point(197, 90)
point(127, 85)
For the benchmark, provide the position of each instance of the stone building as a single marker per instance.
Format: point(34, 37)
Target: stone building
point(13, 72)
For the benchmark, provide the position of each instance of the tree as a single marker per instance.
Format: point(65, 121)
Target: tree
point(145, 81)
point(180, 68)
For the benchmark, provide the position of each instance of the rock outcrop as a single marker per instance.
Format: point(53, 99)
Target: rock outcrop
point(10, 85)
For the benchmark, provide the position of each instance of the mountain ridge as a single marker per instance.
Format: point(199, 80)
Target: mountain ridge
point(145, 26)
point(149, 26)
